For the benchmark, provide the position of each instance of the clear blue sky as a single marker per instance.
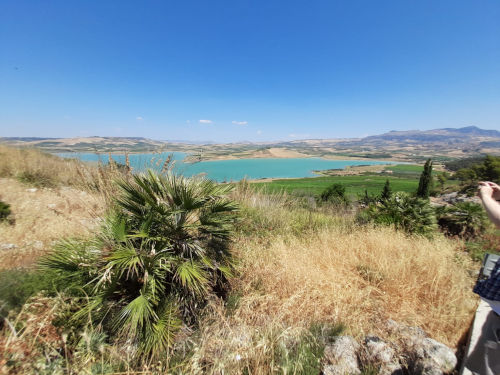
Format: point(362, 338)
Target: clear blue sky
point(248, 70)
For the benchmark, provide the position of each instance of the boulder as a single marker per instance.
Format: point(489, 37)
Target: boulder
point(424, 356)
point(381, 355)
point(435, 358)
point(341, 357)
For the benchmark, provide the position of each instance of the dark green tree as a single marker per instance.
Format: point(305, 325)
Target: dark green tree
point(425, 183)
point(335, 193)
point(487, 169)
point(490, 169)
point(367, 199)
point(386, 192)
point(466, 175)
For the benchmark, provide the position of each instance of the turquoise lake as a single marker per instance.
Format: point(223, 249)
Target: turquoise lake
point(228, 170)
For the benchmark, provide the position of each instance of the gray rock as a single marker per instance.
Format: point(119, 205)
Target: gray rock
point(452, 198)
point(378, 350)
point(437, 358)
point(32, 190)
point(341, 357)
point(405, 331)
point(8, 246)
point(426, 368)
point(425, 356)
point(381, 355)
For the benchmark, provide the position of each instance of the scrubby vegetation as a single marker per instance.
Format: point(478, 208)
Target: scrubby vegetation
point(5, 211)
point(464, 219)
point(413, 215)
point(188, 276)
point(485, 169)
point(38, 169)
point(334, 194)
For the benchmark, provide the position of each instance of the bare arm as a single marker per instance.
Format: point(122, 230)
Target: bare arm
point(489, 192)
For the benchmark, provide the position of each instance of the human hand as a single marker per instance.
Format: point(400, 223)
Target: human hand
point(489, 189)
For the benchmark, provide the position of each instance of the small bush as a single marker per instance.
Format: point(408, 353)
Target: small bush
point(410, 214)
point(36, 178)
point(463, 219)
point(5, 211)
point(17, 285)
point(366, 199)
point(334, 194)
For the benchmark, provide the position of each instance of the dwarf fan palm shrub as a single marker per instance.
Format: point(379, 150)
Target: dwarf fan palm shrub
point(464, 219)
point(410, 214)
point(161, 254)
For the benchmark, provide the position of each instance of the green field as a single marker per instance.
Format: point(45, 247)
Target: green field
point(406, 170)
point(354, 184)
point(404, 177)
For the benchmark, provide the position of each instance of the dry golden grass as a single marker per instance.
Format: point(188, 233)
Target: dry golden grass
point(313, 267)
point(41, 169)
point(361, 278)
point(42, 216)
point(50, 170)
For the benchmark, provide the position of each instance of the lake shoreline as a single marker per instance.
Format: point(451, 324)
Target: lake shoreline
point(272, 153)
point(236, 169)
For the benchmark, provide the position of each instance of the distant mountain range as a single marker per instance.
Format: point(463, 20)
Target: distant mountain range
point(403, 145)
point(414, 145)
point(468, 133)
point(437, 135)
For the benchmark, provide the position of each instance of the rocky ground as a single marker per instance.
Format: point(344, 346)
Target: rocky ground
point(409, 351)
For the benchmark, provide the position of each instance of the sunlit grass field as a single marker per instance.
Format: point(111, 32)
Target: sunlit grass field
point(355, 185)
point(404, 177)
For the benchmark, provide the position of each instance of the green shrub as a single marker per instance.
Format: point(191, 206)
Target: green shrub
point(17, 285)
point(367, 199)
point(410, 214)
point(160, 256)
point(36, 178)
point(464, 219)
point(486, 243)
point(335, 193)
point(5, 211)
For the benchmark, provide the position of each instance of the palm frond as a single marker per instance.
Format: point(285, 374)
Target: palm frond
point(192, 277)
point(125, 260)
point(71, 259)
point(160, 335)
point(132, 318)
